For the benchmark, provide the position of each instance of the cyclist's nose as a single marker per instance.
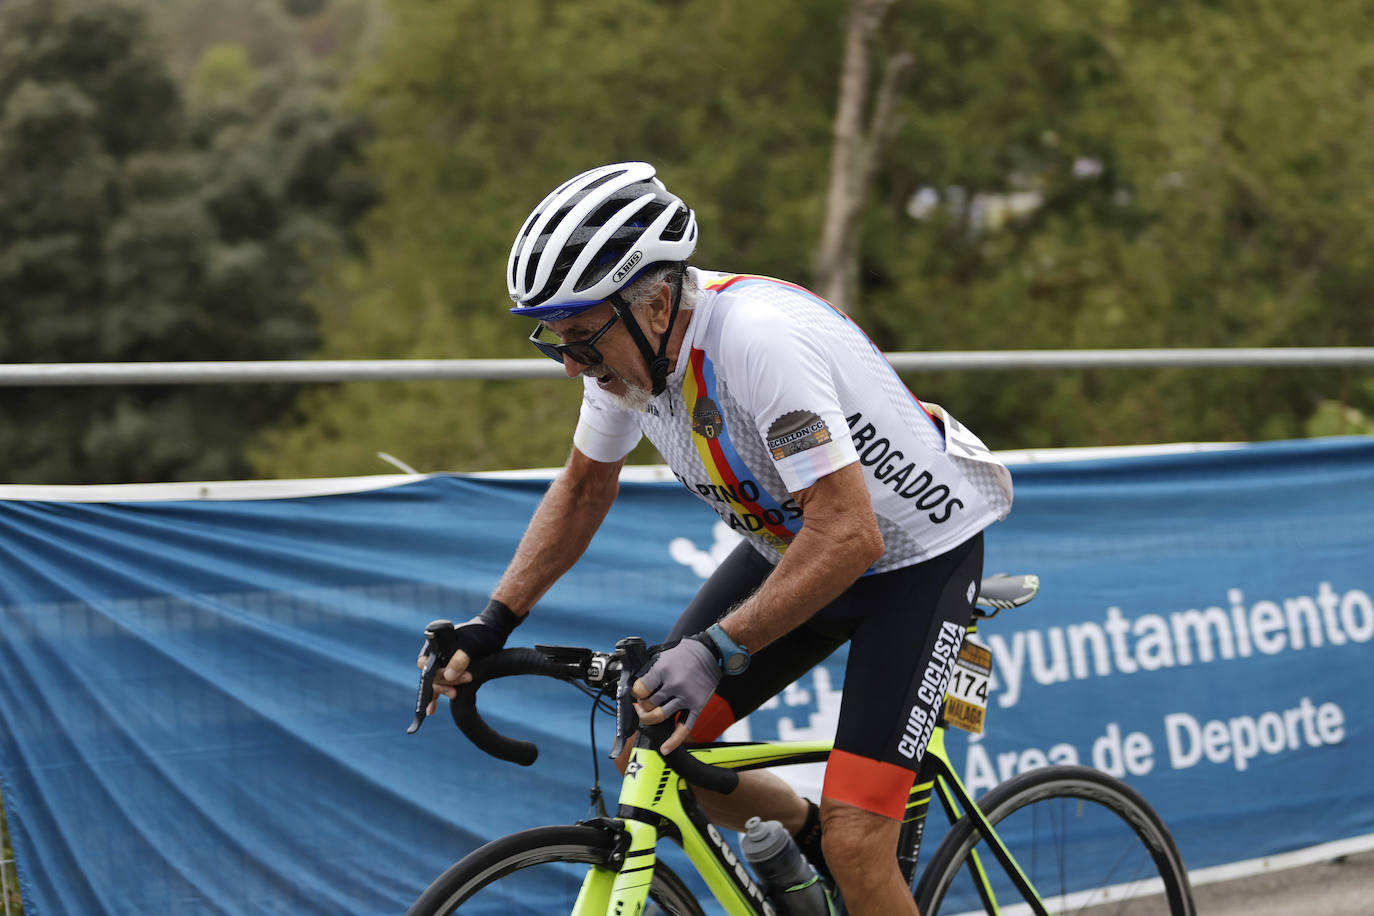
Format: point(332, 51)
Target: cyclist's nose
point(572, 367)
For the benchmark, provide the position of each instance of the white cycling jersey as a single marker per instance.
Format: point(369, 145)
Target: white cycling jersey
point(773, 389)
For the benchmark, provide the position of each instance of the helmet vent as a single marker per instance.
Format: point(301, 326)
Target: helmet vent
point(677, 228)
point(571, 252)
point(598, 269)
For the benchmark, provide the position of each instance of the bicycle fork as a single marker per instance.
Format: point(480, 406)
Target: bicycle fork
point(621, 887)
point(654, 801)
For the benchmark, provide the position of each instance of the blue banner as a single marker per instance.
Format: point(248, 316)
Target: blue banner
point(203, 702)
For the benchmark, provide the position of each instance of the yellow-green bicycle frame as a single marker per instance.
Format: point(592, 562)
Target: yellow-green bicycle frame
point(654, 803)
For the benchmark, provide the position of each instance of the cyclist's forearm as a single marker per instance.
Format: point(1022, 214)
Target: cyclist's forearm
point(569, 514)
point(811, 574)
point(838, 542)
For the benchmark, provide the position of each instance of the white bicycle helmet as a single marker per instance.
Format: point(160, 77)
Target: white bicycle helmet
point(593, 236)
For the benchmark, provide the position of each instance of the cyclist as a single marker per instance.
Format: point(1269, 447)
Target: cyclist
point(861, 507)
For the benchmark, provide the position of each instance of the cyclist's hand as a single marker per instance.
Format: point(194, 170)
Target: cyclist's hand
point(442, 684)
point(677, 683)
point(479, 637)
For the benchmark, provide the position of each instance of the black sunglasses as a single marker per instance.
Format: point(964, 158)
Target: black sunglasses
point(582, 351)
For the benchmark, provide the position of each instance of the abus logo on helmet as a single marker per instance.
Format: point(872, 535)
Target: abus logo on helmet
point(628, 266)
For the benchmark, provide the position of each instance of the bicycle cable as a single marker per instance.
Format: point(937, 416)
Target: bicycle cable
point(597, 803)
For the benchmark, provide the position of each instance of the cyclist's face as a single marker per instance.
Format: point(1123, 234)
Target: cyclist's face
point(621, 364)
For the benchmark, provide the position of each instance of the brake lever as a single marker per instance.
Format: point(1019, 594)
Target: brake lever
point(440, 644)
point(634, 656)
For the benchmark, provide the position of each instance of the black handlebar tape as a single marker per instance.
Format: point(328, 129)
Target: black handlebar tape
point(506, 663)
point(717, 779)
point(511, 662)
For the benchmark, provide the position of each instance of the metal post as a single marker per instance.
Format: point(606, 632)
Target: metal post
point(5, 865)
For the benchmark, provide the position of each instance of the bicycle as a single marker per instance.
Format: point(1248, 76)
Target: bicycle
point(608, 865)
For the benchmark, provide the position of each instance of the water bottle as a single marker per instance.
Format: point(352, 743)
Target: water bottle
point(792, 884)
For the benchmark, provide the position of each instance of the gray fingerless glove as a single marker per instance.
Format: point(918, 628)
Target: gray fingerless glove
point(683, 676)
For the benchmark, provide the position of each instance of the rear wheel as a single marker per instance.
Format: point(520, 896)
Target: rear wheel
point(1088, 843)
point(539, 872)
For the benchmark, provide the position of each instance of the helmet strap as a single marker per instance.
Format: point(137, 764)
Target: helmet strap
point(657, 362)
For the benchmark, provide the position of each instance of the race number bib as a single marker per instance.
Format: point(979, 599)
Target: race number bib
point(966, 702)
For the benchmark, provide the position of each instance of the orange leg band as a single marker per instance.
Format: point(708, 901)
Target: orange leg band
point(881, 788)
point(716, 716)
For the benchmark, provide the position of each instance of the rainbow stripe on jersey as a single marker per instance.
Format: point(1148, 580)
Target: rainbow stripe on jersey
point(725, 283)
point(755, 511)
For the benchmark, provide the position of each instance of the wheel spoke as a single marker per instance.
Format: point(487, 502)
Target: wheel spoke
point(1088, 844)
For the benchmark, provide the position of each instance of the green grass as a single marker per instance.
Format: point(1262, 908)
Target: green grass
point(11, 886)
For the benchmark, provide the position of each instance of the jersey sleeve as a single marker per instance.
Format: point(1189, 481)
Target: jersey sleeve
point(791, 392)
point(605, 432)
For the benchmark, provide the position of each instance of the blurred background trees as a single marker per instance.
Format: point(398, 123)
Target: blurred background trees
point(1056, 174)
point(149, 218)
point(1132, 175)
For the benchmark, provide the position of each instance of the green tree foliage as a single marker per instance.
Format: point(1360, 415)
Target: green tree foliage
point(1067, 173)
point(135, 228)
point(271, 34)
point(223, 74)
point(480, 109)
point(1202, 171)
point(188, 28)
point(303, 8)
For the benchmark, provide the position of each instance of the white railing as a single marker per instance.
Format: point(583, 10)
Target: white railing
point(203, 373)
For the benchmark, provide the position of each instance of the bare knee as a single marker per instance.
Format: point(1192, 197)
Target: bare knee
point(858, 844)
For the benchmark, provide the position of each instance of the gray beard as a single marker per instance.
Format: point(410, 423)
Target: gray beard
point(634, 398)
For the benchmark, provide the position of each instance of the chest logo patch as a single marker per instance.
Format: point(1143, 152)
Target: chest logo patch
point(706, 419)
point(796, 431)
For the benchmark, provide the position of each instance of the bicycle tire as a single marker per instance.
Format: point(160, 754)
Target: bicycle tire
point(1118, 827)
point(513, 861)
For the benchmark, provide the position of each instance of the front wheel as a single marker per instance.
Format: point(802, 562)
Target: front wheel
point(1088, 843)
point(539, 872)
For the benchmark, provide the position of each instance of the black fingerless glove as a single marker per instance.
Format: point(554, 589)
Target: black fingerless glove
point(486, 633)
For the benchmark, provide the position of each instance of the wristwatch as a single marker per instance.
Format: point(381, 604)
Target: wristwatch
point(734, 658)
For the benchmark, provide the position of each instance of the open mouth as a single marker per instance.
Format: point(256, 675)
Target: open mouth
point(605, 377)
point(629, 395)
